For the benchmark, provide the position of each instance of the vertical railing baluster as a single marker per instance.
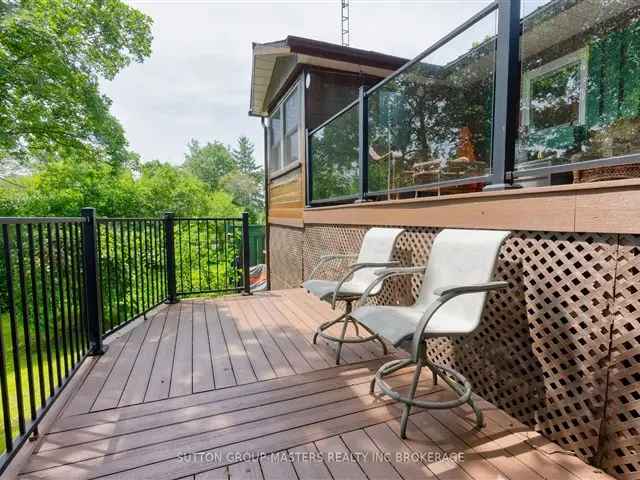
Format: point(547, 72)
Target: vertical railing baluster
point(246, 259)
point(45, 309)
point(4, 383)
point(36, 312)
point(208, 225)
point(199, 255)
point(116, 274)
point(54, 304)
point(133, 225)
point(363, 143)
point(15, 345)
point(75, 301)
point(26, 331)
point(70, 315)
point(80, 281)
point(217, 255)
point(107, 278)
point(170, 257)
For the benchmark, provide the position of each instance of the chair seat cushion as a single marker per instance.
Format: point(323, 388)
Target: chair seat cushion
point(398, 323)
point(324, 289)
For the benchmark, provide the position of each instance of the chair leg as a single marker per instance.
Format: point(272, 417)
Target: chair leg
point(340, 343)
point(412, 393)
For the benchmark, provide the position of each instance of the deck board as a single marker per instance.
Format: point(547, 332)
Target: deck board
point(239, 380)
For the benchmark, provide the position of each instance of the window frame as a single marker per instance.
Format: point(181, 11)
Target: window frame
point(579, 57)
point(284, 132)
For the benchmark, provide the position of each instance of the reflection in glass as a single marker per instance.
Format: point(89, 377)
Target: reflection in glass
point(432, 123)
point(580, 96)
point(334, 156)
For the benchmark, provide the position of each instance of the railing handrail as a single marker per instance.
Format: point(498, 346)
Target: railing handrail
point(42, 220)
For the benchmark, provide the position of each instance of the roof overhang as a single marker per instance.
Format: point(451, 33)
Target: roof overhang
point(302, 51)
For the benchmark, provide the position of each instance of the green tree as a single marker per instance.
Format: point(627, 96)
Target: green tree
point(52, 55)
point(209, 162)
point(243, 156)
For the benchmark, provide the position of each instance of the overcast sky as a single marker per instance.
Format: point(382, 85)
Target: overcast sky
point(196, 82)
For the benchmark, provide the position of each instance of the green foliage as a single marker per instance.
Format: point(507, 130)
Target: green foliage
point(52, 54)
point(208, 162)
point(243, 156)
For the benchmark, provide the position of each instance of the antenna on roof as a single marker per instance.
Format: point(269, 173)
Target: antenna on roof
point(344, 23)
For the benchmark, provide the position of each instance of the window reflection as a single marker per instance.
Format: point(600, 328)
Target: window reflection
point(580, 96)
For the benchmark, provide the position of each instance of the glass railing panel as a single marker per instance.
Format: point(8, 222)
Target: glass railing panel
point(334, 158)
point(580, 90)
point(430, 126)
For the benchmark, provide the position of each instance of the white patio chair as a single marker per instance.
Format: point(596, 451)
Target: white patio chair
point(451, 300)
point(375, 253)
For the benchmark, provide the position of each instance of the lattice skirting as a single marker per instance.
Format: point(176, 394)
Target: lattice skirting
point(285, 257)
point(559, 349)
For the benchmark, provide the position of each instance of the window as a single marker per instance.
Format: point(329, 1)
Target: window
point(284, 128)
point(291, 123)
point(554, 94)
point(275, 136)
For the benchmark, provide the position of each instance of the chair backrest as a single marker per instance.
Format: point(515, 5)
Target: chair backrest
point(461, 257)
point(377, 246)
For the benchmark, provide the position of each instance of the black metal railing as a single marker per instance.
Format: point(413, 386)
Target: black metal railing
point(67, 283)
point(133, 268)
point(500, 101)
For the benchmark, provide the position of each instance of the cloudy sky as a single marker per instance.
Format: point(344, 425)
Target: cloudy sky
point(196, 82)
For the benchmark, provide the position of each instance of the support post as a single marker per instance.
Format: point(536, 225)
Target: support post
point(92, 281)
point(246, 258)
point(172, 296)
point(363, 143)
point(507, 95)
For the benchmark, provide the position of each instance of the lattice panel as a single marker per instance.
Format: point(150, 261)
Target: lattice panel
point(622, 442)
point(285, 255)
point(542, 348)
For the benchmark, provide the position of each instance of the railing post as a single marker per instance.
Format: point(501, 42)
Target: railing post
point(245, 255)
point(363, 143)
point(92, 281)
point(172, 296)
point(507, 95)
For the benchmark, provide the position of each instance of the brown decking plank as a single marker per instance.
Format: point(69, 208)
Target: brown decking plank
point(400, 456)
point(276, 358)
point(84, 399)
point(182, 371)
point(249, 470)
point(151, 408)
point(239, 359)
point(445, 468)
point(111, 392)
point(222, 370)
point(160, 380)
point(369, 457)
point(271, 434)
point(217, 474)
point(288, 349)
point(351, 352)
point(487, 448)
point(136, 386)
point(338, 459)
point(277, 468)
point(308, 464)
point(315, 355)
point(261, 365)
point(320, 312)
point(551, 451)
point(176, 427)
point(202, 361)
point(474, 464)
point(159, 419)
point(172, 468)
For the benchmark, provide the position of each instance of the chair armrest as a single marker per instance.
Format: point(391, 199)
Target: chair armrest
point(354, 268)
point(444, 295)
point(387, 273)
point(461, 289)
point(327, 258)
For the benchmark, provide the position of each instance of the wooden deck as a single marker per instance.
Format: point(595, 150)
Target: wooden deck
point(234, 388)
